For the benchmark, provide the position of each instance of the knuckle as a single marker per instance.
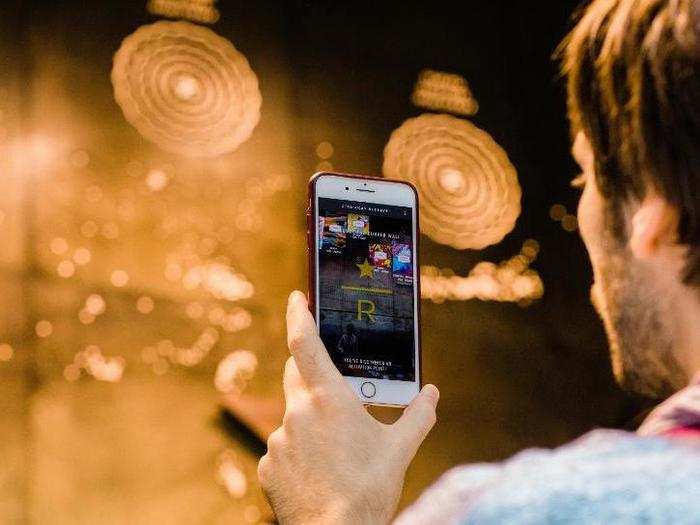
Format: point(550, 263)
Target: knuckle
point(429, 417)
point(323, 398)
point(265, 470)
point(289, 365)
point(296, 341)
point(276, 441)
point(296, 417)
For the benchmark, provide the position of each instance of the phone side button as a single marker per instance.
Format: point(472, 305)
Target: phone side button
point(368, 389)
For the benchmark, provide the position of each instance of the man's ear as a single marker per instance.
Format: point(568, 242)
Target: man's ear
point(654, 226)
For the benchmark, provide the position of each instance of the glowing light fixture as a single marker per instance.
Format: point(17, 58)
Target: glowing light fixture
point(186, 89)
point(509, 281)
point(469, 191)
point(444, 92)
point(202, 11)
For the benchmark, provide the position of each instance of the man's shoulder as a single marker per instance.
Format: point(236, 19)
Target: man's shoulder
point(605, 475)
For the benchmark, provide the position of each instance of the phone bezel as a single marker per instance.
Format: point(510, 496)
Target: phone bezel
point(383, 191)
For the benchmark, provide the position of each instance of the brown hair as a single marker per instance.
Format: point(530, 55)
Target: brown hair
point(633, 79)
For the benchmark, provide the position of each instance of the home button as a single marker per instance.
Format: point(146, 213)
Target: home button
point(368, 389)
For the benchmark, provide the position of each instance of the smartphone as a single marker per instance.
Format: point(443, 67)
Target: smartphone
point(364, 282)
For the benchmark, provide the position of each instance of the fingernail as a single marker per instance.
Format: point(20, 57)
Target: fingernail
point(296, 295)
point(432, 393)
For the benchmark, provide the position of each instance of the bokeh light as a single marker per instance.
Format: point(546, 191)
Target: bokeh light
point(509, 281)
point(44, 328)
point(94, 363)
point(119, 278)
point(324, 150)
point(82, 256)
point(145, 304)
point(59, 246)
point(95, 304)
point(557, 212)
point(231, 476)
point(156, 180)
point(220, 280)
point(469, 191)
point(65, 269)
point(6, 352)
point(80, 159)
point(568, 221)
point(444, 92)
point(186, 89)
point(89, 229)
point(202, 11)
point(234, 371)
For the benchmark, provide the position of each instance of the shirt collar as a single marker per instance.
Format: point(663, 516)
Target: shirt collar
point(680, 411)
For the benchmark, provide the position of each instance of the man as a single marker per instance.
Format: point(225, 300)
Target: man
point(633, 71)
point(347, 344)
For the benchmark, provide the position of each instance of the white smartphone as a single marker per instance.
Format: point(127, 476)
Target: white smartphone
point(363, 282)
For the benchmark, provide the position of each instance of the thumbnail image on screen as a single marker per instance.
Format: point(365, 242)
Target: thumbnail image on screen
point(366, 288)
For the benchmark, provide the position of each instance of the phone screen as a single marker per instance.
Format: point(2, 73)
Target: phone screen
point(366, 285)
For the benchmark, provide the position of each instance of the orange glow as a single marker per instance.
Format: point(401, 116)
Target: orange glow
point(35, 152)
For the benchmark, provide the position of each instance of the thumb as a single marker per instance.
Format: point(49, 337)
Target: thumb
point(417, 420)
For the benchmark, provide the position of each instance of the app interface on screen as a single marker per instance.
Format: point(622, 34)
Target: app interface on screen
point(366, 284)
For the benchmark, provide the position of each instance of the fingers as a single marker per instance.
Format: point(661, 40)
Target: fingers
point(312, 360)
point(292, 381)
point(417, 420)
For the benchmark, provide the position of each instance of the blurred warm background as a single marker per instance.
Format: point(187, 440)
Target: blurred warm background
point(152, 199)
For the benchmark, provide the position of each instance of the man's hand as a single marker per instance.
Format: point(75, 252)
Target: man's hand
point(331, 461)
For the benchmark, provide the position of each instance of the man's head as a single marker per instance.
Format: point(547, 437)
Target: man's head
point(633, 72)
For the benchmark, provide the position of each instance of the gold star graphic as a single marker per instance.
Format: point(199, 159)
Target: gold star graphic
point(365, 269)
